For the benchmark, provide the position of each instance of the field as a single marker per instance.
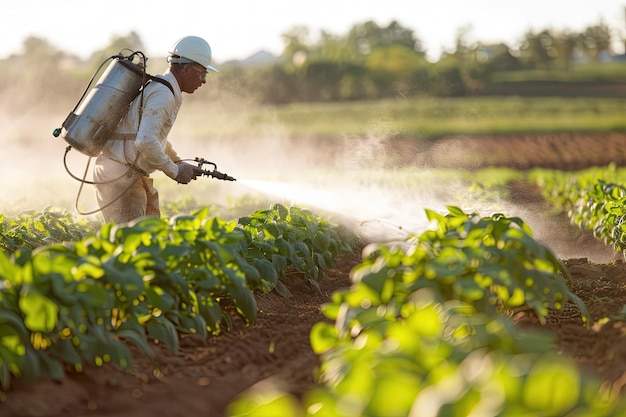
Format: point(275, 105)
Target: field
point(208, 373)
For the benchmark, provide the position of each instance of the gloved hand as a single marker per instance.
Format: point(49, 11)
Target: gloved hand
point(187, 172)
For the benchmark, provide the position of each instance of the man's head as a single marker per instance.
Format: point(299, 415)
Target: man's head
point(190, 60)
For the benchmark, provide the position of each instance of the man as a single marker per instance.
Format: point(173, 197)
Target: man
point(139, 146)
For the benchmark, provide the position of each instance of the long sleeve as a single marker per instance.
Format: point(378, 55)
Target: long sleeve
point(151, 139)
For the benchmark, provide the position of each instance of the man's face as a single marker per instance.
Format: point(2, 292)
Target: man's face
point(194, 76)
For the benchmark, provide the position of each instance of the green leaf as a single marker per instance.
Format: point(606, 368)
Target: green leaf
point(9, 318)
point(323, 337)
point(40, 312)
point(157, 297)
point(192, 323)
point(91, 293)
point(270, 402)
point(65, 351)
point(124, 277)
point(552, 386)
point(322, 241)
point(139, 339)
point(264, 246)
point(266, 270)
point(285, 248)
point(282, 290)
point(302, 249)
point(50, 367)
point(374, 279)
point(253, 277)
point(210, 310)
point(320, 261)
point(315, 285)
point(242, 296)
point(469, 289)
point(205, 280)
point(60, 290)
point(282, 211)
point(279, 262)
point(30, 368)
point(5, 376)
point(164, 331)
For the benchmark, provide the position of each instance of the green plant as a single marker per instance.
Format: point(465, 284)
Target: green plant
point(422, 324)
point(593, 199)
point(78, 303)
point(293, 239)
point(31, 229)
point(492, 262)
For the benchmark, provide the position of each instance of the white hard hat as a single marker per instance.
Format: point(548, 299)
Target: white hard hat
point(191, 49)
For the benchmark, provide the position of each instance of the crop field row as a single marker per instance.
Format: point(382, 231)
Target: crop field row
point(74, 302)
point(425, 323)
point(425, 313)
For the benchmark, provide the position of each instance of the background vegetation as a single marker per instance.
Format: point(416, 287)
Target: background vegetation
point(369, 62)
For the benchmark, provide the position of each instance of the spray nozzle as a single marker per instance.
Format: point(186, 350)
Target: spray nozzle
point(218, 175)
point(214, 172)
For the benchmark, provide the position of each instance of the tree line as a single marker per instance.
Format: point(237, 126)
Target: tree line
point(370, 61)
point(373, 61)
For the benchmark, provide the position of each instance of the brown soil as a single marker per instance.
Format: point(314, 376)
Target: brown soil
point(205, 375)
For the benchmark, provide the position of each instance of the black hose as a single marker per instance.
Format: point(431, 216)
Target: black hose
point(83, 181)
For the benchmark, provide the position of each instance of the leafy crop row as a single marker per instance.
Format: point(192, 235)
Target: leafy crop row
point(31, 229)
point(593, 199)
point(422, 331)
point(78, 303)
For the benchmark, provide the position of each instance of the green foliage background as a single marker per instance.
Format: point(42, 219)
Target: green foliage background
point(370, 62)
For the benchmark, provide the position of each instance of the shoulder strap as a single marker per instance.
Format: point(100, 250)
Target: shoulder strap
point(157, 79)
point(160, 80)
point(140, 93)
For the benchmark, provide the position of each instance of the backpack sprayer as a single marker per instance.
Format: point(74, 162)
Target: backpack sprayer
point(94, 118)
point(96, 115)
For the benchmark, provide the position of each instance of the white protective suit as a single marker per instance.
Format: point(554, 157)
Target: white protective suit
point(138, 148)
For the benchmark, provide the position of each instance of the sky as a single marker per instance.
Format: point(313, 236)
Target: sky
point(237, 29)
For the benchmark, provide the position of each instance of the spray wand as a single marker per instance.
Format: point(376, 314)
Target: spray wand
point(212, 173)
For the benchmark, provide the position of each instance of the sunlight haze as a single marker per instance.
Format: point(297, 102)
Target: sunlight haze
point(239, 29)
